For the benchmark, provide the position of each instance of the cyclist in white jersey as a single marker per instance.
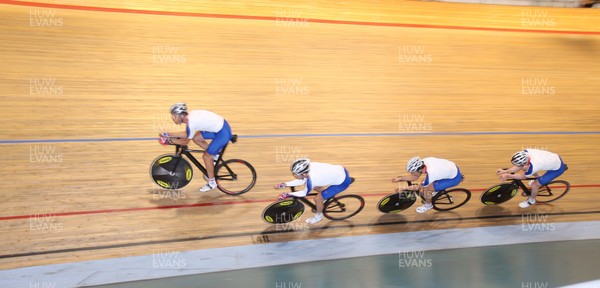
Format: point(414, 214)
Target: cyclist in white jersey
point(200, 125)
point(327, 179)
point(441, 174)
point(532, 161)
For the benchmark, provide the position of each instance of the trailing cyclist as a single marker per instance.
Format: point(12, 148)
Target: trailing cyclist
point(532, 161)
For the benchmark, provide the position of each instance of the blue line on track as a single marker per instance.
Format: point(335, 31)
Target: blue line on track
point(262, 136)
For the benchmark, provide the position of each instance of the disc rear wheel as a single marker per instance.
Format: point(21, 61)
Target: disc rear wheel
point(283, 211)
point(171, 171)
point(397, 202)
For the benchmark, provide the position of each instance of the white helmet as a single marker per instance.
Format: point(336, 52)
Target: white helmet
point(301, 166)
point(520, 158)
point(178, 108)
point(414, 164)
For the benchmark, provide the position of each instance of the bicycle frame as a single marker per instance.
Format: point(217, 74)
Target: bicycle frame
point(184, 150)
point(308, 203)
point(303, 199)
point(420, 193)
point(521, 185)
point(412, 192)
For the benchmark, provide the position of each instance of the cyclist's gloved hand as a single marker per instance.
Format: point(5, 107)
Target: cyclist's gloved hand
point(284, 196)
point(279, 186)
point(164, 140)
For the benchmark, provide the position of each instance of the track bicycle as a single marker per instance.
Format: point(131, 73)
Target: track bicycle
point(501, 193)
point(339, 207)
point(174, 171)
point(444, 200)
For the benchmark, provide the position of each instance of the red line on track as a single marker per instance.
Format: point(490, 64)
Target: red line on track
point(271, 18)
point(107, 211)
point(135, 209)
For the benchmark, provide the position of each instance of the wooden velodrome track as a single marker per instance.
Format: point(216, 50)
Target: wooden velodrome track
point(367, 85)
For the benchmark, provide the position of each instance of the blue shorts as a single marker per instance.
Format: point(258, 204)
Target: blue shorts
point(336, 189)
point(552, 174)
point(444, 184)
point(219, 139)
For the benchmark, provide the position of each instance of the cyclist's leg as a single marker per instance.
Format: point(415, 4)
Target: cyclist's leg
point(319, 200)
point(336, 189)
point(427, 192)
point(545, 179)
point(437, 186)
point(219, 141)
point(444, 184)
point(324, 194)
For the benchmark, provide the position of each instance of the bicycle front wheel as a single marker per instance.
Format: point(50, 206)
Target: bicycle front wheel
point(343, 207)
point(397, 202)
point(235, 176)
point(553, 191)
point(283, 211)
point(451, 199)
point(171, 171)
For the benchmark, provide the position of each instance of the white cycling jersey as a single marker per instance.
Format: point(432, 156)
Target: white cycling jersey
point(542, 160)
point(321, 174)
point(438, 169)
point(203, 120)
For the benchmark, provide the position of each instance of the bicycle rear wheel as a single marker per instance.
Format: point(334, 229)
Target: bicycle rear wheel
point(397, 202)
point(171, 171)
point(283, 211)
point(553, 191)
point(450, 199)
point(343, 207)
point(235, 176)
point(499, 193)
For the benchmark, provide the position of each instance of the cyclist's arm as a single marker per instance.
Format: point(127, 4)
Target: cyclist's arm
point(519, 176)
point(412, 177)
point(297, 182)
point(179, 138)
point(180, 141)
point(300, 193)
point(513, 169)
